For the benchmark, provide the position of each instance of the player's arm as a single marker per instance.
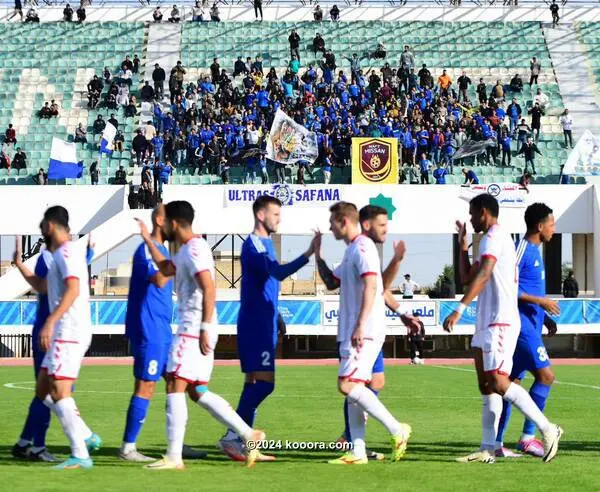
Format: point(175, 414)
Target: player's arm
point(391, 271)
point(481, 278)
point(411, 322)
point(547, 304)
point(37, 283)
point(466, 271)
point(165, 266)
point(327, 276)
point(71, 293)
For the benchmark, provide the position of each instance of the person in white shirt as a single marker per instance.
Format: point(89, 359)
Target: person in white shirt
point(408, 287)
point(252, 134)
point(191, 358)
point(543, 99)
point(66, 334)
point(566, 120)
point(493, 278)
point(361, 332)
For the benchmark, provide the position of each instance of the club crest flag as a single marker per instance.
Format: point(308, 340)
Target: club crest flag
point(374, 160)
point(288, 142)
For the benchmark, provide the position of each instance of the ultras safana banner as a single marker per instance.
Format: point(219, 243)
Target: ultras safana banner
point(374, 160)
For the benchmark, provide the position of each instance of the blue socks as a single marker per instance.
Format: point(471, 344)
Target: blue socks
point(252, 396)
point(136, 414)
point(504, 418)
point(37, 423)
point(346, 425)
point(539, 394)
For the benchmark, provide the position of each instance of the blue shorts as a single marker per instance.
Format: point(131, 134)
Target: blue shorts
point(530, 355)
point(378, 366)
point(259, 355)
point(150, 359)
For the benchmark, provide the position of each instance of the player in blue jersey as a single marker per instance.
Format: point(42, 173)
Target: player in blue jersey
point(258, 317)
point(530, 353)
point(148, 328)
point(32, 442)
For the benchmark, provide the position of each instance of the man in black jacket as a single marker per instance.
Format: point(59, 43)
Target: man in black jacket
point(294, 40)
point(158, 76)
point(536, 120)
point(529, 150)
point(239, 67)
point(139, 145)
point(147, 92)
point(463, 87)
point(121, 176)
point(570, 286)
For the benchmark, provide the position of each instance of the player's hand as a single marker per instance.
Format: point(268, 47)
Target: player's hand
point(399, 250)
point(358, 337)
point(412, 323)
point(550, 306)
point(46, 334)
point(143, 229)
point(18, 254)
point(461, 228)
point(450, 321)
point(281, 326)
point(205, 347)
point(550, 324)
point(316, 242)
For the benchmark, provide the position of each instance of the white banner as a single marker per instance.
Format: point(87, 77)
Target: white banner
point(509, 195)
point(425, 310)
point(289, 142)
point(584, 159)
point(289, 195)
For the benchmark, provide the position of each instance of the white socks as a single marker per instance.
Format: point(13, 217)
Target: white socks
point(519, 397)
point(490, 418)
point(367, 401)
point(177, 415)
point(68, 415)
point(357, 424)
point(85, 431)
point(222, 411)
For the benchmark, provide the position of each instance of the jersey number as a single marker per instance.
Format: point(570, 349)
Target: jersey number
point(542, 354)
point(266, 358)
point(152, 367)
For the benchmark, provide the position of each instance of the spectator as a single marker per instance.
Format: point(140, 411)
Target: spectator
point(258, 8)
point(94, 173)
point(523, 132)
point(118, 141)
point(514, 112)
point(534, 67)
point(294, 40)
point(536, 119)
point(554, 8)
point(68, 13)
point(470, 177)
point(415, 339)
point(525, 181)
point(425, 166)
point(127, 64)
point(440, 173)
point(136, 64)
point(424, 75)
point(570, 286)
point(53, 108)
point(529, 149)
point(113, 121)
point(505, 141)
point(294, 65)
point(80, 134)
point(566, 122)
point(45, 112)
point(463, 87)
point(158, 77)
point(380, 52)
point(444, 82)
point(542, 99)
point(120, 176)
point(157, 15)
point(223, 170)
point(139, 146)
point(318, 13)
point(408, 287)
point(239, 67)
point(32, 16)
point(334, 13)
point(198, 12)
point(407, 61)
point(107, 75)
point(18, 10)
point(81, 15)
point(498, 92)
point(178, 72)
point(214, 13)
point(5, 162)
point(125, 76)
point(98, 126)
point(131, 108)
point(147, 92)
point(165, 174)
point(215, 71)
point(319, 44)
point(481, 91)
point(41, 177)
point(516, 84)
point(10, 135)
point(175, 15)
point(19, 160)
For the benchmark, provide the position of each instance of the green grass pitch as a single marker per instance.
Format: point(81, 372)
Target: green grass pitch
point(441, 404)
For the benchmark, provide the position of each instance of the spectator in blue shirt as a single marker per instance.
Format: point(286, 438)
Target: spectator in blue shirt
point(440, 174)
point(514, 113)
point(505, 142)
point(425, 166)
point(470, 177)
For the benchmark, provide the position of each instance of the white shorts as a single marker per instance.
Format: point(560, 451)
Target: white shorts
point(497, 342)
point(187, 362)
point(63, 358)
point(357, 366)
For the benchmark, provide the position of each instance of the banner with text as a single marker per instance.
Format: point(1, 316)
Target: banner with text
point(425, 310)
point(509, 195)
point(296, 195)
point(374, 160)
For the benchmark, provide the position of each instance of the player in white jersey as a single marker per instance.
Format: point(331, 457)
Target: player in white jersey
point(192, 351)
point(494, 278)
point(361, 332)
point(66, 334)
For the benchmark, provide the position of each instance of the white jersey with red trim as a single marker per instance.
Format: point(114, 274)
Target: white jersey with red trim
point(192, 258)
point(497, 304)
point(360, 259)
point(69, 262)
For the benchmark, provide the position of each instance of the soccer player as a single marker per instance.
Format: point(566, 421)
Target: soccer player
point(257, 320)
point(65, 335)
point(530, 353)
point(191, 355)
point(361, 330)
point(494, 278)
point(373, 221)
point(32, 442)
